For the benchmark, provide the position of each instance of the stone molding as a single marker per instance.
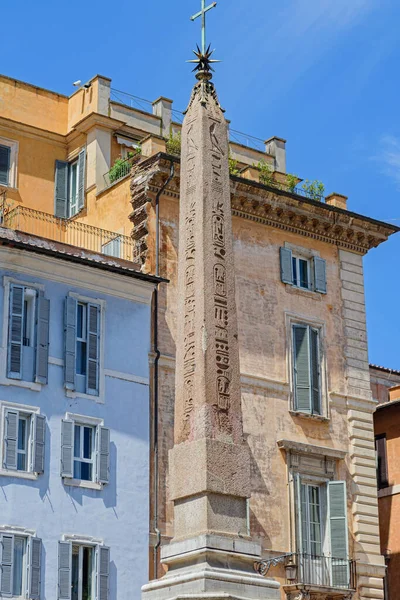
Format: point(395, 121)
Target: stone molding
point(321, 451)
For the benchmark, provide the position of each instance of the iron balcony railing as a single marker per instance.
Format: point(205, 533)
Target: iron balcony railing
point(120, 169)
point(325, 571)
point(69, 231)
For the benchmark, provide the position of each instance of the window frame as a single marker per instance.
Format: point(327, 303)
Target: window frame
point(81, 459)
point(31, 562)
point(381, 484)
point(13, 166)
point(70, 204)
point(80, 547)
point(296, 258)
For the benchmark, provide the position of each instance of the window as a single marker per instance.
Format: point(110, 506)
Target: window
point(8, 162)
point(113, 247)
point(28, 335)
point(85, 451)
point(69, 189)
point(302, 271)
point(322, 538)
point(82, 346)
point(381, 461)
point(20, 566)
point(23, 440)
point(306, 369)
point(83, 571)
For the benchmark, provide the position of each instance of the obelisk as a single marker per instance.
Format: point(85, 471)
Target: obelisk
point(211, 552)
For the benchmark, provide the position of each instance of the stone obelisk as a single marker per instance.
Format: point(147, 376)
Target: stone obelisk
point(211, 552)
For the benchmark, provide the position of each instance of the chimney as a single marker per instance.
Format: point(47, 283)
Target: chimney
point(276, 147)
point(162, 107)
point(337, 200)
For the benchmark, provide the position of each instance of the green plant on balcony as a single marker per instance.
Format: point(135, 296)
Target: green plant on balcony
point(266, 173)
point(174, 143)
point(122, 166)
point(233, 165)
point(291, 182)
point(314, 189)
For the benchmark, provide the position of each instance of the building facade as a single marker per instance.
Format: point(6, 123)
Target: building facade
point(386, 389)
point(74, 422)
point(306, 389)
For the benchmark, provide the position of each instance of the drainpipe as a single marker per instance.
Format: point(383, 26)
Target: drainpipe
point(156, 361)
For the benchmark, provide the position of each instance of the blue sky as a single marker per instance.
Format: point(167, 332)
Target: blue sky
point(324, 74)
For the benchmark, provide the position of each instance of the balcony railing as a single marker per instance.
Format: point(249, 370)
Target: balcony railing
point(71, 232)
point(324, 571)
point(119, 170)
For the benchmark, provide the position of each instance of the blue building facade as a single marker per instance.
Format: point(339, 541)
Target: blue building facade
point(74, 425)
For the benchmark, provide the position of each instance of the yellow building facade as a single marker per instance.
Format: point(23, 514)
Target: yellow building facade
point(300, 299)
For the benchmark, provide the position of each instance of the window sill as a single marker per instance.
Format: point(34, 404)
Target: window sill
point(73, 394)
point(19, 474)
point(28, 385)
point(297, 413)
point(80, 483)
point(292, 289)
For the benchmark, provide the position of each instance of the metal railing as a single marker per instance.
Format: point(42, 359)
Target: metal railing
point(131, 101)
point(119, 170)
point(325, 571)
point(68, 231)
point(246, 140)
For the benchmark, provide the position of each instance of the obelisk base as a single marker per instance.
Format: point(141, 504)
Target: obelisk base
point(211, 567)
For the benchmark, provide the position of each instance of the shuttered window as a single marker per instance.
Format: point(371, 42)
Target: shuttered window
point(69, 187)
point(381, 461)
point(83, 571)
point(5, 161)
point(28, 335)
point(20, 566)
point(303, 272)
point(85, 451)
point(306, 369)
point(24, 441)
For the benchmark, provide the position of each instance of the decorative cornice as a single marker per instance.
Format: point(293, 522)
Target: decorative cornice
point(301, 448)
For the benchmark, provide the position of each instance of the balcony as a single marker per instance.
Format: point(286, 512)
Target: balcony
point(321, 576)
point(70, 232)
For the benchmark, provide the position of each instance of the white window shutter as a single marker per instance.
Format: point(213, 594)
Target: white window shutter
point(81, 178)
point(320, 275)
point(93, 349)
point(301, 362)
point(103, 571)
point(70, 342)
point(16, 319)
point(67, 448)
point(103, 455)
point(39, 428)
point(10, 439)
point(35, 558)
point(315, 371)
point(42, 340)
point(337, 515)
point(64, 570)
point(7, 554)
point(61, 190)
point(286, 265)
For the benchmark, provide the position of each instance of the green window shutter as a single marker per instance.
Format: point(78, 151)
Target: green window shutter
point(6, 571)
point(93, 349)
point(5, 159)
point(64, 570)
point(16, 320)
point(286, 265)
point(298, 512)
point(35, 556)
point(39, 426)
point(10, 440)
point(42, 340)
point(103, 571)
point(320, 275)
point(81, 178)
point(70, 343)
point(67, 448)
point(315, 371)
point(337, 516)
point(301, 360)
point(103, 455)
point(61, 190)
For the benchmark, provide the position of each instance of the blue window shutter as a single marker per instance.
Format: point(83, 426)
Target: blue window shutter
point(35, 560)
point(39, 443)
point(42, 340)
point(64, 570)
point(81, 178)
point(286, 265)
point(320, 275)
point(70, 343)
point(103, 571)
point(61, 190)
point(93, 349)
point(16, 327)
point(5, 159)
point(11, 439)
point(315, 371)
point(301, 360)
point(6, 564)
point(337, 516)
point(103, 455)
point(67, 448)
